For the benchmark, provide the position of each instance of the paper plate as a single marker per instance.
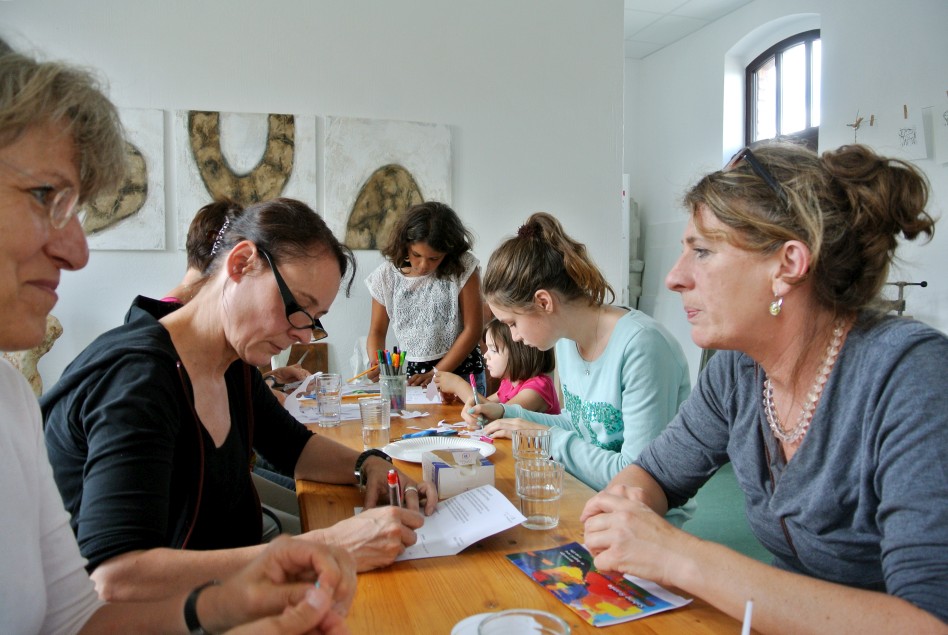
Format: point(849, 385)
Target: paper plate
point(411, 449)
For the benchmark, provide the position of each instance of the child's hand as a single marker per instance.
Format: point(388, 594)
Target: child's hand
point(504, 428)
point(451, 384)
point(489, 411)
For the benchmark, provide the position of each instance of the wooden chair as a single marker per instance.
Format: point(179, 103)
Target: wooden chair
point(317, 357)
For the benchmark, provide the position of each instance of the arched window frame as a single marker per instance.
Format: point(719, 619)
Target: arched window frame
point(810, 134)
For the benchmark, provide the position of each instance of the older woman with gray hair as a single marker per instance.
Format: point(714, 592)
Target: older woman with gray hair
point(60, 144)
point(833, 414)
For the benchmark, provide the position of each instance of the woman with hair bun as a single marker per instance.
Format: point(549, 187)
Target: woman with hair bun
point(622, 374)
point(833, 414)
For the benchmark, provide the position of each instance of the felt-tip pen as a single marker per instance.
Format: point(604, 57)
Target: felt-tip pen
point(394, 491)
point(480, 418)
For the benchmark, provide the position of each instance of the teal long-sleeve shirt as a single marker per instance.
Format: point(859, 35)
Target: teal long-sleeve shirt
point(626, 399)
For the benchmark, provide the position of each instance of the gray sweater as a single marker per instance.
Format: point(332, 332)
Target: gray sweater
point(864, 501)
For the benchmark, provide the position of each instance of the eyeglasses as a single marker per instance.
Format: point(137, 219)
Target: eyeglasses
point(295, 314)
point(745, 154)
point(60, 205)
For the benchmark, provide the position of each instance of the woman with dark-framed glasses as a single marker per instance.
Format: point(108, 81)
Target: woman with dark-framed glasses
point(152, 427)
point(833, 415)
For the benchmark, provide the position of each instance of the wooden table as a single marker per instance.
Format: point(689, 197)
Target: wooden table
point(431, 595)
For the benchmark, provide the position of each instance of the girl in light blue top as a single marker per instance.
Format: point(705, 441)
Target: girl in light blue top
point(622, 374)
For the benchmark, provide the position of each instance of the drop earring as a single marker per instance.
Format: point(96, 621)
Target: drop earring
point(776, 305)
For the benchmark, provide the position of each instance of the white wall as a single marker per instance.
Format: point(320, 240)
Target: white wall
point(532, 90)
point(877, 55)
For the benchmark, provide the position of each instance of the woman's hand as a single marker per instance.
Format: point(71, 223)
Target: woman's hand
point(279, 577)
point(376, 487)
point(287, 374)
point(624, 534)
point(312, 614)
point(283, 376)
point(375, 537)
point(503, 428)
point(485, 411)
point(420, 379)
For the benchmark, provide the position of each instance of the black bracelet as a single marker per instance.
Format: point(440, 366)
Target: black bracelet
point(360, 477)
point(190, 610)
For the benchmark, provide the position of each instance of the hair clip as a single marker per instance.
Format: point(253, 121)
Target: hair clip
point(220, 237)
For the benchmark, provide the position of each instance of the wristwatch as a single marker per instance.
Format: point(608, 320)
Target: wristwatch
point(359, 475)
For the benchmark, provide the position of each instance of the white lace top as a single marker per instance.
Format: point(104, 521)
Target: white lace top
point(424, 311)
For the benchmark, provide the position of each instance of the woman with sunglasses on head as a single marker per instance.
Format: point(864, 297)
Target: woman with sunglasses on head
point(833, 414)
point(61, 144)
point(152, 428)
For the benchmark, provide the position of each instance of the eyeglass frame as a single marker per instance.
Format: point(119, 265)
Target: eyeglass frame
point(68, 195)
point(291, 305)
point(746, 154)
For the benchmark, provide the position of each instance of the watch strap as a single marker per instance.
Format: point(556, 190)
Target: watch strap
point(190, 610)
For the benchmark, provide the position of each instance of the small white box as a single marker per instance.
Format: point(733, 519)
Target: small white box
point(456, 470)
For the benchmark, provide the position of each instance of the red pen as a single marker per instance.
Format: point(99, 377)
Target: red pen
point(394, 490)
point(485, 439)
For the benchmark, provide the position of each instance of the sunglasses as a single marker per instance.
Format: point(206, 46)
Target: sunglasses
point(295, 314)
point(60, 205)
point(745, 154)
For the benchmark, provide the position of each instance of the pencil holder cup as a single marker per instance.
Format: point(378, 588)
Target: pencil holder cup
point(394, 388)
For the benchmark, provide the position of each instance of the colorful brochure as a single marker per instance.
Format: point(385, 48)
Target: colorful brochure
point(599, 598)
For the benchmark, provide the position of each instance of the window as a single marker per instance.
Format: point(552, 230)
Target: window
point(782, 89)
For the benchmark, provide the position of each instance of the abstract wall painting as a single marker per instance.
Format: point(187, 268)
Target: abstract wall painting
point(248, 157)
point(377, 169)
point(133, 217)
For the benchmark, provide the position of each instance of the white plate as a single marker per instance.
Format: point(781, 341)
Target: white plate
point(411, 449)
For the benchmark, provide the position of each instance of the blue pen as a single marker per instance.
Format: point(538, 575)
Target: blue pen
point(429, 433)
point(422, 433)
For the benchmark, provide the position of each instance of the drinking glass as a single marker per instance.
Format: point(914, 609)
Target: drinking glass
point(330, 401)
point(532, 444)
point(523, 621)
point(540, 486)
point(376, 422)
point(395, 389)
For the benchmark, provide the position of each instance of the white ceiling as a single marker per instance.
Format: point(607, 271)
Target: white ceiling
point(651, 25)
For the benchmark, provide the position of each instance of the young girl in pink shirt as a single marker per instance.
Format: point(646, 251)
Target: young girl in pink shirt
point(523, 372)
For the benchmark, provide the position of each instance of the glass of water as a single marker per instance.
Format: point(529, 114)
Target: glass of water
point(532, 443)
point(330, 401)
point(376, 422)
point(540, 486)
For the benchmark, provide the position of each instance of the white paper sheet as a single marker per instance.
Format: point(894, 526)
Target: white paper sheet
point(461, 521)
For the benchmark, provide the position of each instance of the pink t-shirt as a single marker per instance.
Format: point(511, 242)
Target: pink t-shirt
point(542, 384)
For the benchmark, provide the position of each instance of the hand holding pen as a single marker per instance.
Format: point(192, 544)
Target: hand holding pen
point(421, 496)
point(480, 419)
point(394, 489)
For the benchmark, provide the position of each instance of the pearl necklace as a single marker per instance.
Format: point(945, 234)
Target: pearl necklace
point(595, 342)
point(812, 398)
